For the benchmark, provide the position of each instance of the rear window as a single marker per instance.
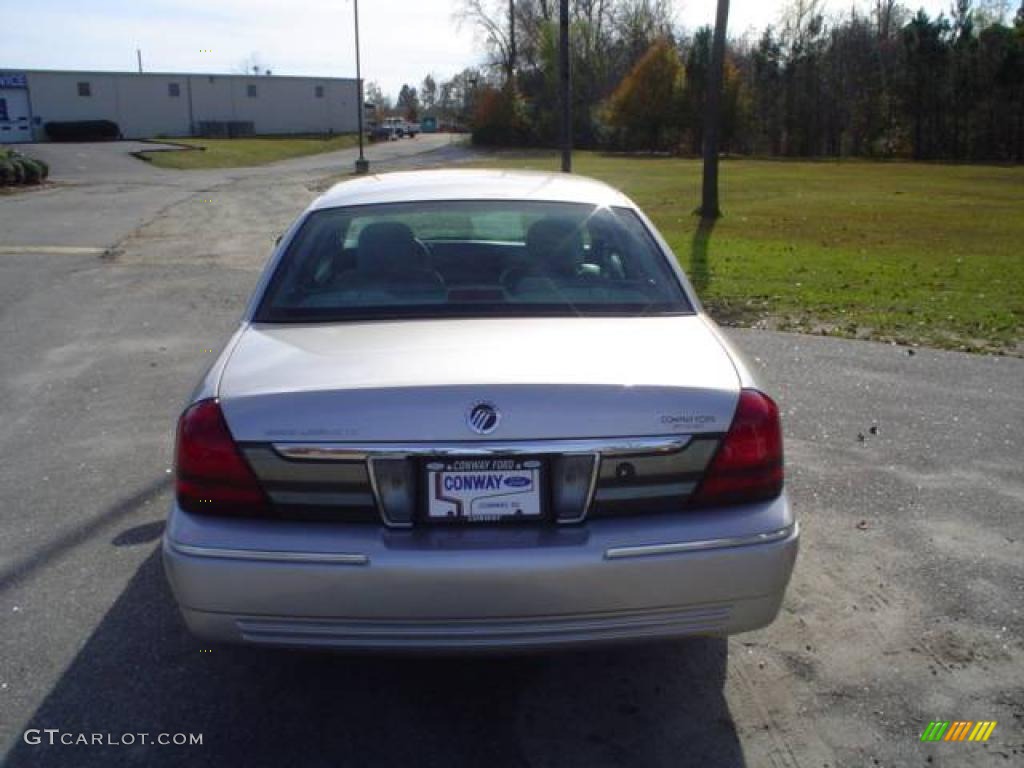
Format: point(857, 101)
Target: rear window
point(471, 258)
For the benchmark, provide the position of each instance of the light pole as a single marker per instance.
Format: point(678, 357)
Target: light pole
point(362, 164)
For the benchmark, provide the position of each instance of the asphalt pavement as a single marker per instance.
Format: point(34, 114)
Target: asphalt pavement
point(100, 193)
point(904, 466)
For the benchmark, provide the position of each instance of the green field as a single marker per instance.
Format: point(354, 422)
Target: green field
point(236, 153)
point(912, 253)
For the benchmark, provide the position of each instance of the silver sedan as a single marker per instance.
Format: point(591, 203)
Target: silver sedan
point(476, 410)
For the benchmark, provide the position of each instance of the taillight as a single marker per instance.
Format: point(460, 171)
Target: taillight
point(211, 476)
point(748, 464)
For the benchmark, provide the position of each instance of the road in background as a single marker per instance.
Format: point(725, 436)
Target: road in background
point(101, 193)
point(905, 604)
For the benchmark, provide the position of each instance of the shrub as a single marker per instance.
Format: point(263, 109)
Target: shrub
point(15, 168)
point(33, 174)
point(18, 169)
point(500, 118)
point(6, 170)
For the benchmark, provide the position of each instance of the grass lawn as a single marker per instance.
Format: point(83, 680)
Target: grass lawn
point(234, 153)
point(912, 253)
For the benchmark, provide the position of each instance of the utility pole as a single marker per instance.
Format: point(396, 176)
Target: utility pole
point(362, 165)
point(709, 207)
point(138, 55)
point(566, 85)
point(511, 41)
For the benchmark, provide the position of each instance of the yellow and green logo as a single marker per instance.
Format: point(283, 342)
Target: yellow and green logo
point(958, 730)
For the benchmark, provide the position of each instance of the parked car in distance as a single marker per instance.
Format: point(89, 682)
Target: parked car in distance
point(400, 127)
point(476, 410)
point(383, 132)
point(396, 125)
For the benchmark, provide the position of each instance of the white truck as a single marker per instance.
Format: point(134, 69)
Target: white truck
point(398, 128)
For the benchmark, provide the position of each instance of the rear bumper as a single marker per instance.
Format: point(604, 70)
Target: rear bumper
point(363, 587)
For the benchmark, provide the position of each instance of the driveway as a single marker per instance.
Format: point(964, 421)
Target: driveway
point(96, 161)
point(905, 605)
point(102, 193)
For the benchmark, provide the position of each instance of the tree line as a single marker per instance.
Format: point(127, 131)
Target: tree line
point(881, 81)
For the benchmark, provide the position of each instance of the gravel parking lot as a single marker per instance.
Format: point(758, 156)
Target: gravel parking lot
point(904, 465)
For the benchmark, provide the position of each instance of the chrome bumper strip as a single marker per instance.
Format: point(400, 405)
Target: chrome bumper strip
point(631, 492)
point(647, 550)
point(353, 558)
point(617, 446)
point(322, 498)
point(331, 558)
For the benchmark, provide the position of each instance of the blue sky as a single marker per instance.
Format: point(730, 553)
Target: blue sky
point(401, 41)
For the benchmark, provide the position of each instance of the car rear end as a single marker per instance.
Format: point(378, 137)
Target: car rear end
point(333, 544)
point(478, 483)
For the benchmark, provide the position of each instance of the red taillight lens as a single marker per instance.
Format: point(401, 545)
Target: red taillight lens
point(748, 465)
point(211, 477)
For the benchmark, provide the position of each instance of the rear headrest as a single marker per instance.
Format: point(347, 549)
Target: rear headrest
point(387, 246)
point(555, 243)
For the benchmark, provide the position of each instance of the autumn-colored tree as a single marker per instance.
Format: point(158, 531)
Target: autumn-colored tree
point(861, 79)
point(500, 117)
point(645, 109)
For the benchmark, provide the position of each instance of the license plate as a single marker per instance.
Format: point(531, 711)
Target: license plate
point(484, 490)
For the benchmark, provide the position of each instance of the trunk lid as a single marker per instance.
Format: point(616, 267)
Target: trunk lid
point(415, 381)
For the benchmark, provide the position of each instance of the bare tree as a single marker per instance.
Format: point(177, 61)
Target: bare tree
point(638, 23)
point(373, 94)
point(802, 20)
point(455, 96)
point(989, 12)
point(252, 64)
point(498, 26)
point(428, 93)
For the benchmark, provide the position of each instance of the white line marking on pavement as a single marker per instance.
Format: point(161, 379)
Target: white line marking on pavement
point(59, 250)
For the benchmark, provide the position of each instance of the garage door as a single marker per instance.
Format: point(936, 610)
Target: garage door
point(15, 120)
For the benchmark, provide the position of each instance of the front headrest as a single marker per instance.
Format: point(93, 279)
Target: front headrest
point(556, 243)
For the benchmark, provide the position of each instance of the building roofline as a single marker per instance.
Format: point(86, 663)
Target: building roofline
point(123, 73)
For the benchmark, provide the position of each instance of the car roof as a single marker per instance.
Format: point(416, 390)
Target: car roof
point(413, 186)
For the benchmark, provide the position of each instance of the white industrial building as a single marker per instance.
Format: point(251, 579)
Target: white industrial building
point(149, 105)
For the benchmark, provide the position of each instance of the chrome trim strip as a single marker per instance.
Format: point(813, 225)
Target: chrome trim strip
point(595, 478)
point(610, 446)
point(326, 558)
point(652, 491)
point(646, 550)
point(322, 498)
point(642, 446)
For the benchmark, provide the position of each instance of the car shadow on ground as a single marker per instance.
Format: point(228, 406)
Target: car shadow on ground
point(140, 671)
